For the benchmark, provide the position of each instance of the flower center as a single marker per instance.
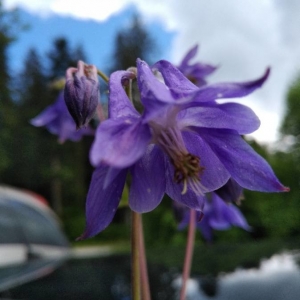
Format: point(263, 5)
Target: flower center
point(187, 166)
point(188, 171)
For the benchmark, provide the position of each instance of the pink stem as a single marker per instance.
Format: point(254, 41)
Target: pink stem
point(135, 256)
point(143, 265)
point(188, 253)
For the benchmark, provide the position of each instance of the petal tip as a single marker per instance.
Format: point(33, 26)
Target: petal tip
point(285, 189)
point(267, 73)
point(80, 238)
point(86, 235)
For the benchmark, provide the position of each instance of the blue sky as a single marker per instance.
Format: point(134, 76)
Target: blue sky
point(97, 38)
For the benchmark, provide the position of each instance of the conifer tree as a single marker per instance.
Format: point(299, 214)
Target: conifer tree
point(132, 43)
point(9, 26)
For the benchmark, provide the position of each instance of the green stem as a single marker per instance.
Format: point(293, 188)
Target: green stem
point(135, 256)
point(103, 76)
point(188, 253)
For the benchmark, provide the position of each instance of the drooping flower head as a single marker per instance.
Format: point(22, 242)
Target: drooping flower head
point(82, 93)
point(185, 144)
point(57, 119)
point(217, 215)
point(196, 72)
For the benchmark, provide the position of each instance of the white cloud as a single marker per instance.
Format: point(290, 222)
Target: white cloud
point(38, 6)
point(243, 37)
point(92, 9)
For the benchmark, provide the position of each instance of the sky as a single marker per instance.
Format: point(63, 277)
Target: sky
point(242, 37)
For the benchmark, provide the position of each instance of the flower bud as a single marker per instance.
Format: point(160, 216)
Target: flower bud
point(82, 93)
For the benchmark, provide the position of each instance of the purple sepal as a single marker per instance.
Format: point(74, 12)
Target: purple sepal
point(102, 203)
point(120, 142)
point(245, 166)
point(148, 183)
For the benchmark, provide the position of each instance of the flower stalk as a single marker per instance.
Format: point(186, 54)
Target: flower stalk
point(135, 256)
point(103, 76)
point(143, 264)
point(188, 253)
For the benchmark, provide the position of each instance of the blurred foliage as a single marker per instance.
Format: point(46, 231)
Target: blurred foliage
point(291, 122)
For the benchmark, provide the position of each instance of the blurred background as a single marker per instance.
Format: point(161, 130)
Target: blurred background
point(39, 40)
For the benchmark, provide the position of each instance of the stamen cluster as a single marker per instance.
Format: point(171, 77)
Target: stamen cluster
point(188, 171)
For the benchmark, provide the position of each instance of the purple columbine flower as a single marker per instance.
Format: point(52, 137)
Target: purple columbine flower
point(217, 215)
point(188, 124)
point(196, 72)
point(82, 93)
point(184, 144)
point(213, 129)
point(58, 121)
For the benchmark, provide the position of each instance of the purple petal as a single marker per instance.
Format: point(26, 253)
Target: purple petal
point(212, 92)
point(191, 54)
point(182, 87)
point(148, 181)
point(215, 174)
point(230, 192)
point(228, 116)
point(150, 87)
point(226, 214)
point(236, 217)
point(174, 79)
point(57, 119)
point(198, 71)
point(155, 95)
point(216, 213)
point(66, 129)
point(101, 204)
point(111, 175)
point(119, 103)
point(220, 216)
point(120, 143)
point(46, 116)
point(195, 72)
point(246, 167)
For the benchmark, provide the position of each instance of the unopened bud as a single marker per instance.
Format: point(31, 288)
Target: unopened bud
point(82, 93)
